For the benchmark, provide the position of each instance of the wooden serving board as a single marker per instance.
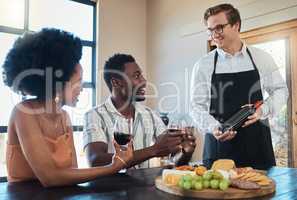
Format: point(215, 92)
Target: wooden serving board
point(230, 193)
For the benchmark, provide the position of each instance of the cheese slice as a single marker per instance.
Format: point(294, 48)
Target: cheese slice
point(223, 164)
point(172, 177)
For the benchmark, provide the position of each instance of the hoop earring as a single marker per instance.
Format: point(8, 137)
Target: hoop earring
point(57, 99)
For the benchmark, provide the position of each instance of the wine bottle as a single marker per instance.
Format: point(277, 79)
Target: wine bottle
point(236, 121)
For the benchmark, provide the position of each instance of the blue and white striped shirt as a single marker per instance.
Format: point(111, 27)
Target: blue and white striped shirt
point(99, 125)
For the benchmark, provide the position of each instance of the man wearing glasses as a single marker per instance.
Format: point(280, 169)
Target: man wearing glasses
point(227, 78)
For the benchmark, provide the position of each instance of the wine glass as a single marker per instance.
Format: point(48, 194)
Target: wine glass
point(173, 126)
point(188, 127)
point(122, 133)
point(181, 123)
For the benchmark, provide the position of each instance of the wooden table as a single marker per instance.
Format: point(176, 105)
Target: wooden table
point(138, 185)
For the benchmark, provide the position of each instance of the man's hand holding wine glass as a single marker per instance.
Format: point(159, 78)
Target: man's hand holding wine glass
point(189, 140)
point(168, 142)
point(185, 142)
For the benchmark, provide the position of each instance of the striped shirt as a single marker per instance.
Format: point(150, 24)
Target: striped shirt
point(99, 125)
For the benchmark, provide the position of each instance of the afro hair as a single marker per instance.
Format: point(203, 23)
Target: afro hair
point(38, 61)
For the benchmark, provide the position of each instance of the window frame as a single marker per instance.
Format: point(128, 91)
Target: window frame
point(86, 43)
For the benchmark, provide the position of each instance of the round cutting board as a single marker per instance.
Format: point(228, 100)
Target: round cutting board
point(230, 193)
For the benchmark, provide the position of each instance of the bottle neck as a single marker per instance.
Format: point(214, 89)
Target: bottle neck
point(258, 104)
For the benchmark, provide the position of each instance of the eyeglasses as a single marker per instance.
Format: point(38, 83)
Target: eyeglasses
point(218, 29)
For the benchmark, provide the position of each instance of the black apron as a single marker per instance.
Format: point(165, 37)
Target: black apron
point(252, 145)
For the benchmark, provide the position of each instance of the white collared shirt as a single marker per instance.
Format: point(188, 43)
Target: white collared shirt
point(99, 125)
point(272, 83)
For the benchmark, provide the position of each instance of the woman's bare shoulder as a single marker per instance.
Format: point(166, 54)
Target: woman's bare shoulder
point(67, 118)
point(29, 106)
point(18, 113)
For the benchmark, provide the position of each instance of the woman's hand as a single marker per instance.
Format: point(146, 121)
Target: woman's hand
point(122, 157)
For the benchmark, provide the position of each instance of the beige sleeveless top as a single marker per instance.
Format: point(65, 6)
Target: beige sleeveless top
point(18, 168)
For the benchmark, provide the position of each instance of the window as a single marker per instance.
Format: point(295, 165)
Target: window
point(76, 16)
point(279, 124)
point(279, 40)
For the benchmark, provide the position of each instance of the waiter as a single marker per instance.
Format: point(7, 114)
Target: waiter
point(227, 78)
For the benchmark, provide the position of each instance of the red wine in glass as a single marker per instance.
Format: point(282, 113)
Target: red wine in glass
point(173, 129)
point(123, 131)
point(122, 138)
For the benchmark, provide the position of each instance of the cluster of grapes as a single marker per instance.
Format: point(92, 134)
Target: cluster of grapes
point(210, 179)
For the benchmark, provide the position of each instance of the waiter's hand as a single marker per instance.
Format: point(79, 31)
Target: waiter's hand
point(228, 135)
point(254, 117)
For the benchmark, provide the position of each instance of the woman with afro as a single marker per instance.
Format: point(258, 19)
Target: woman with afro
point(40, 139)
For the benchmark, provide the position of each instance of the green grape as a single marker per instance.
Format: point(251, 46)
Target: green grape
point(214, 184)
point(227, 181)
point(206, 184)
point(187, 177)
point(181, 183)
point(182, 178)
point(223, 185)
point(207, 176)
point(193, 184)
point(198, 186)
point(217, 175)
point(197, 178)
point(187, 185)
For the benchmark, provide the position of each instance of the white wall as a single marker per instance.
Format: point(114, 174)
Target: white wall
point(121, 29)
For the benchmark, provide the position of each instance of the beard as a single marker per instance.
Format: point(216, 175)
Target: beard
point(135, 94)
